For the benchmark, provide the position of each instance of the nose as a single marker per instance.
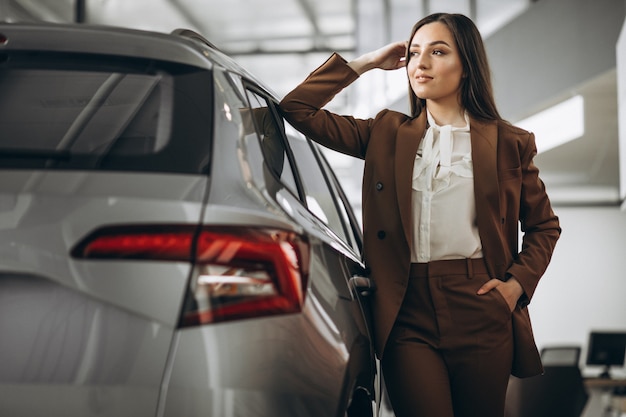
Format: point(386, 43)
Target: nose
point(421, 61)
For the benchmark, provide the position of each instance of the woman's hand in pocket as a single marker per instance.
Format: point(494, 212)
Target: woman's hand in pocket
point(510, 290)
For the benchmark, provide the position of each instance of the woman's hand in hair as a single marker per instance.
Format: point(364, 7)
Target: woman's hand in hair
point(389, 57)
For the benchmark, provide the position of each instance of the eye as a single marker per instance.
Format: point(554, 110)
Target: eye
point(413, 53)
point(438, 52)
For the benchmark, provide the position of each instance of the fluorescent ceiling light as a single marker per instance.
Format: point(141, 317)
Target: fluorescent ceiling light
point(557, 125)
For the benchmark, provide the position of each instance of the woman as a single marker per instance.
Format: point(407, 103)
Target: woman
point(444, 191)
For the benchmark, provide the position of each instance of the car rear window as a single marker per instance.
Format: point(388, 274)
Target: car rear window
point(59, 111)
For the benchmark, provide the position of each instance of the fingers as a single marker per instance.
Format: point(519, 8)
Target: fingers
point(488, 286)
point(400, 63)
point(398, 49)
point(504, 290)
point(393, 55)
point(399, 46)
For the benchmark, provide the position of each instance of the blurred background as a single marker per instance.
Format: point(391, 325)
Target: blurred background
point(554, 62)
point(559, 69)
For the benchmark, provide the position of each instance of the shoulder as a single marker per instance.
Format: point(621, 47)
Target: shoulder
point(389, 120)
point(388, 124)
point(508, 130)
point(392, 116)
point(511, 136)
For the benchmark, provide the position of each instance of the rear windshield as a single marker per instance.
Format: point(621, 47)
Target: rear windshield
point(85, 112)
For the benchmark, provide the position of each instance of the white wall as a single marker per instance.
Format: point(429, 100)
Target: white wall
point(620, 53)
point(584, 287)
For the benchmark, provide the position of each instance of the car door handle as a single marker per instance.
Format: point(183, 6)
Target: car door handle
point(362, 285)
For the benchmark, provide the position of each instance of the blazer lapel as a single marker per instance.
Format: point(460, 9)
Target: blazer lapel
point(484, 139)
point(408, 138)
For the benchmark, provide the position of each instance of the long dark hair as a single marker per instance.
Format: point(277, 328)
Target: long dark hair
point(476, 91)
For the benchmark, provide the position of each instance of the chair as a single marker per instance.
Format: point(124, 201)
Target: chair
point(559, 392)
point(561, 355)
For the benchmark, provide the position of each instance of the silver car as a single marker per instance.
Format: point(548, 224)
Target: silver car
point(169, 245)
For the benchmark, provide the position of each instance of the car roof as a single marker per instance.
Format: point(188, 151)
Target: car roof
point(181, 46)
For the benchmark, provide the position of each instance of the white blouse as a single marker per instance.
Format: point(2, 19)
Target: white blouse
point(444, 210)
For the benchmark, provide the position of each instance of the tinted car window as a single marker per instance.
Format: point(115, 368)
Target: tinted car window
point(319, 198)
point(76, 112)
point(353, 229)
point(270, 133)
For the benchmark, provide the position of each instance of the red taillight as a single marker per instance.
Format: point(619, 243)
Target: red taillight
point(239, 272)
point(3, 39)
point(166, 243)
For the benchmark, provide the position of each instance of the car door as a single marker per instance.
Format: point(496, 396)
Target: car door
point(340, 286)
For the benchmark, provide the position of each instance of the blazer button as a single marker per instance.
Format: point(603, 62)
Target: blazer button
point(379, 186)
point(381, 234)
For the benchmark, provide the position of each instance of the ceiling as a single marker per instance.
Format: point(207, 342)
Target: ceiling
point(281, 41)
point(264, 35)
point(586, 171)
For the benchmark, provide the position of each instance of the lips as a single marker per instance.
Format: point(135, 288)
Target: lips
point(423, 77)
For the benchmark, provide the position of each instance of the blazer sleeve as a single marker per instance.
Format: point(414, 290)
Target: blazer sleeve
point(539, 224)
point(302, 107)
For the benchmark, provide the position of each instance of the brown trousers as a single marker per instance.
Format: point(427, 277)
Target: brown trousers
point(450, 351)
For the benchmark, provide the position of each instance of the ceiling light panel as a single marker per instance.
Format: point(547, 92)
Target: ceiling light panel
point(255, 20)
point(163, 16)
point(558, 124)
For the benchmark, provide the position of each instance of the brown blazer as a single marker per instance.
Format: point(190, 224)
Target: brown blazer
point(507, 187)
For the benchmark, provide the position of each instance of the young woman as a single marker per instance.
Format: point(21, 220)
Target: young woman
point(444, 191)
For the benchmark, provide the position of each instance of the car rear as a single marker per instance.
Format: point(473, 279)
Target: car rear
point(93, 140)
point(142, 271)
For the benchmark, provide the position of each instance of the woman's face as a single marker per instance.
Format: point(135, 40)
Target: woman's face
point(434, 68)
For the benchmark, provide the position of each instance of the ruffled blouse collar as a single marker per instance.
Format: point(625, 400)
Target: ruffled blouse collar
point(433, 162)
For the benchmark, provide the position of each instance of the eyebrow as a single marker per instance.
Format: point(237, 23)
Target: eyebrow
point(432, 43)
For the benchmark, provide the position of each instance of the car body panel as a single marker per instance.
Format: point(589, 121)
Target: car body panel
point(73, 355)
point(121, 42)
point(45, 214)
point(87, 337)
point(105, 336)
